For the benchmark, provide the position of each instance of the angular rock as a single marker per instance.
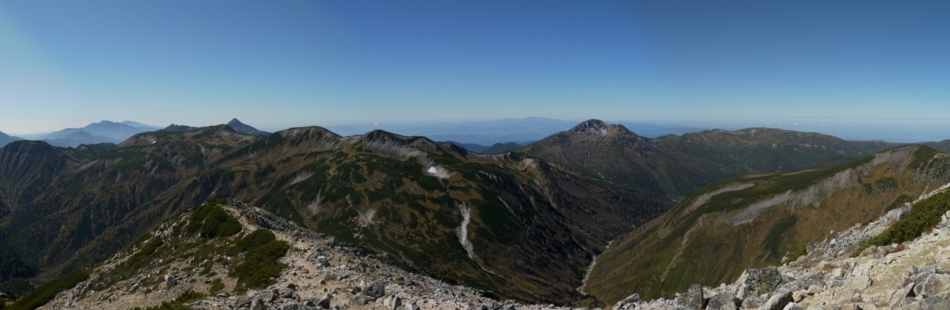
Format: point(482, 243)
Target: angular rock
point(361, 299)
point(931, 285)
point(722, 300)
point(799, 295)
point(375, 290)
point(170, 281)
point(897, 298)
point(939, 301)
point(287, 293)
point(793, 306)
point(757, 281)
point(693, 297)
point(325, 302)
point(778, 301)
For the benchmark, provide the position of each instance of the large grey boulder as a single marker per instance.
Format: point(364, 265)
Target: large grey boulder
point(754, 282)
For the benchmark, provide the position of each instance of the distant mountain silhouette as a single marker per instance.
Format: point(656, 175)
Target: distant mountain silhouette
point(245, 128)
point(4, 139)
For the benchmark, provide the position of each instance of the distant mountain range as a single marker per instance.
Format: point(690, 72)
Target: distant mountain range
point(101, 132)
point(521, 131)
point(4, 139)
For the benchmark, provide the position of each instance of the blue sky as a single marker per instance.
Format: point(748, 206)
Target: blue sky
point(291, 63)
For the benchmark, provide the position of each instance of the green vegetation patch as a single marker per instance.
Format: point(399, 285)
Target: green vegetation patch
point(48, 291)
point(260, 263)
point(774, 239)
point(211, 221)
point(924, 215)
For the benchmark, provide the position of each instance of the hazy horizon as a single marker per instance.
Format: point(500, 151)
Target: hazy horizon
point(863, 70)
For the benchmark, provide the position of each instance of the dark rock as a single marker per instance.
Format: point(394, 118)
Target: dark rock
point(375, 290)
point(292, 286)
point(325, 302)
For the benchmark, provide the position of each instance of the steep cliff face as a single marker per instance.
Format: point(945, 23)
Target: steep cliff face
point(756, 220)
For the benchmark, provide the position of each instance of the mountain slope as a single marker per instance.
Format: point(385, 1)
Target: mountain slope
point(508, 223)
point(4, 139)
point(679, 165)
point(767, 149)
point(755, 220)
point(79, 137)
point(112, 131)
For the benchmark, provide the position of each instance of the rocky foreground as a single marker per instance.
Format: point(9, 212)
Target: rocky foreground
point(325, 274)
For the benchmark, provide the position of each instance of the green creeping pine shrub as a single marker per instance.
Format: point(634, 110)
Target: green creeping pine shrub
point(43, 294)
point(923, 216)
point(212, 221)
point(260, 263)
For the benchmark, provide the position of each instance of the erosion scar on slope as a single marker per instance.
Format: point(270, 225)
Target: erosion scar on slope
point(679, 252)
point(463, 230)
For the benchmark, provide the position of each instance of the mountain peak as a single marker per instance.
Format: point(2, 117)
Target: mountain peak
point(245, 128)
point(596, 127)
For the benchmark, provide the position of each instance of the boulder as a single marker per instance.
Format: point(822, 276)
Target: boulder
point(931, 285)
point(753, 282)
point(322, 261)
point(693, 297)
point(325, 302)
point(897, 298)
point(361, 299)
point(778, 301)
point(375, 290)
point(939, 301)
point(721, 301)
point(753, 302)
point(628, 303)
point(287, 293)
point(170, 281)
